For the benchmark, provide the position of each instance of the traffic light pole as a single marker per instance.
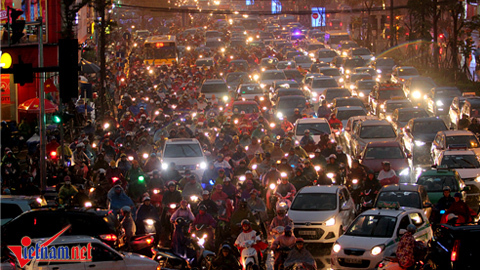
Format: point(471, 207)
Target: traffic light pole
point(42, 120)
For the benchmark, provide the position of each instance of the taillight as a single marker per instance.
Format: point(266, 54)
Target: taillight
point(114, 179)
point(53, 154)
point(108, 237)
point(341, 24)
point(454, 255)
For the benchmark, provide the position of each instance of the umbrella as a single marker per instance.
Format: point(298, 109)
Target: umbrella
point(33, 106)
point(88, 67)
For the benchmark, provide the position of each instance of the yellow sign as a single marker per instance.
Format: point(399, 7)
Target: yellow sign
point(6, 60)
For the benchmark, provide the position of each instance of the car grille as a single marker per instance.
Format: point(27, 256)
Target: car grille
point(186, 167)
point(309, 234)
point(354, 251)
point(363, 264)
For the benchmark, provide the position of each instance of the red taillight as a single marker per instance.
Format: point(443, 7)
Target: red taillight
point(108, 237)
point(114, 179)
point(53, 154)
point(456, 245)
point(149, 241)
point(341, 24)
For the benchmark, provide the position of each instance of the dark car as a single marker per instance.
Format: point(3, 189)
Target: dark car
point(400, 117)
point(43, 223)
point(286, 106)
point(417, 87)
point(418, 137)
point(407, 195)
point(293, 74)
point(455, 247)
point(384, 66)
point(440, 98)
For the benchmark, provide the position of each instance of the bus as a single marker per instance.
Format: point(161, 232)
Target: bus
point(160, 50)
point(333, 38)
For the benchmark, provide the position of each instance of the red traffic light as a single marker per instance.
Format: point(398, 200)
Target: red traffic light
point(53, 154)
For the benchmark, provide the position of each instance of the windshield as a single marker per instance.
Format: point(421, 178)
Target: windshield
point(231, 77)
point(361, 51)
point(387, 152)
point(324, 83)
point(349, 102)
point(303, 59)
point(407, 72)
point(291, 103)
point(214, 88)
point(160, 53)
point(372, 226)
point(206, 62)
point(423, 84)
point(315, 128)
point(422, 127)
point(313, 47)
point(182, 150)
point(284, 65)
point(356, 77)
point(345, 114)
point(326, 54)
point(368, 85)
point(315, 202)
point(460, 161)
point(388, 94)
point(374, 132)
point(277, 75)
point(435, 183)
point(439, 93)
point(290, 92)
point(406, 116)
point(404, 198)
point(269, 61)
point(247, 108)
point(212, 34)
point(357, 62)
point(330, 72)
point(385, 62)
point(290, 84)
point(331, 94)
point(392, 106)
point(466, 141)
point(214, 44)
point(250, 89)
point(293, 73)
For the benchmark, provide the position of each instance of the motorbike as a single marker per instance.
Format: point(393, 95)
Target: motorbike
point(165, 220)
point(391, 263)
point(366, 200)
point(277, 231)
point(353, 186)
point(249, 256)
point(283, 201)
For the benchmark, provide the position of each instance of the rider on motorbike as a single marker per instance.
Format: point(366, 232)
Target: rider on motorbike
point(172, 195)
point(67, 191)
point(371, 183)
point(284, 242)
point(209, 223)
point(183, 212)
point(225, 260)
point(128, 224)
point(387, 176)
point(299, 254)
point(460, 209)
point(281, 219)
point(241, 213)
point(405, 248)
point(443, 204)
point(284, 188)
point(145, 211)
point(212, 208)
point(246, 235)
point(257, 205)
point(334, 122)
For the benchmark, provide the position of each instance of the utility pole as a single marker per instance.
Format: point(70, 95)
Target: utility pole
point(392, 31)
point(42, 120)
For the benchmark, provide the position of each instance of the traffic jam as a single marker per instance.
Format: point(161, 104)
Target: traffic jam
point(249, 142)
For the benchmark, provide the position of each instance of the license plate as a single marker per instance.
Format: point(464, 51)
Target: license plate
point(307, 233)
point(355, 261)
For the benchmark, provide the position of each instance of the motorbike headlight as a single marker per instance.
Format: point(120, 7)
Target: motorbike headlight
point(439, 103)
point(173, 206)
point(242, 178)
point(317, 168)
point(330, 175)
point(311, 155)
point(145, 155)
point(376, 250)
point(389, 118)
point(193, 198)
point(92, 189)
point(254, 166)
point(130, 158)
point(225, 98)
point(203, 165)
point(405, 172)
point(361, 94)
point(382, 106)
point(272, 186)
point(347, 71)
point(262, 98)
point(379, 71)
point(341, 80)
point(330, 222)
point(263, 85)
point(283, 174)
point(149, 222)
point(336, 248)
point(106, 125)
point(156, 191)
point(88, 204)
point(255, 77)
point(355, 181)
point(164, 166)
point(419, 143)
point(280, 115)
point(417, 95)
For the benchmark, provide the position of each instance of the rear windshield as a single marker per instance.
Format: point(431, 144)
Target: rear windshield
point(315, 128)
point(214, 88)
point(388, 94)
point(247, 108)
point(372, 132)
point(436, 183)
point(330, 72)
point(404, 198)
point(324, 83)
point(182, 150)
point(344, 115)
point(331, 94)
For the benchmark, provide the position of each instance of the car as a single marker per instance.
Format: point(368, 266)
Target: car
point(354, 77)
point(286, 105)
point(418, 136)
point(319, 84)
point(310, 76)
point(455, 111)
point(186, 154)
point(317, 127)
point(434, 180)
point(454, 139)
point(98, 223)
point(268, 63)
point(205, 61)
point(314, 46)
point(293, 74)
point(400, 117)
point(375, 234)
point(287, 92)
point(351, 63)
point(417, 87)
point(371, 131)
point(241, 64)
point(333, 72)
point(471, 108)
point(248, 91)
point(439, 98)
point(376, 152)
point(381, 93)
point(455, 247)
point(347, 101)
point(303, 61)
point(384, 67)
point(345, 45)
point(403, 73)
point(321, 213)
point(103, 256)
point(284, 84)
point(215, 87)
point(325, 55)
point(330, 93)
point(407, 195)
point(338, 61)
point(286, 64)
point(362, 52)
point(14, 205)
point(345, 112)
point(267, 77)
point(362, 89)
point(389, 106)
point(350, 126)
point(291, 54)
point(316, 66)
point(467, 164)
point(368, 70)
point(233, 79)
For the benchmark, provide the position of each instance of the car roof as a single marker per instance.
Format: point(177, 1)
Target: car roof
point(311, 120)
point(292, 97)
point(410, 109)
point(350, 108)
point(458, 152)
point(320, 189)
point(70, 239)
point(383, 144)
point(181, 140)
point(214, 81)
point(205, 58)
point(426, 119)
point(11, 198)
point(456, 132)
point(400, 187)
point(249, 84)
point(363, 117)
point(438, 171)
point(346, 98)
point(398, 101)
point(374, 122)
point(245, 102)
point(386, 212)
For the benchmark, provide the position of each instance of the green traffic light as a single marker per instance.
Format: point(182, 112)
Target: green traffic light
point(141, 178)
point(57, 119)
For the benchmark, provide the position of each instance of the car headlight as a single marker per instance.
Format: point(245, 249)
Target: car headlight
point(255, 77)
point(405, 172)
point(225, 98)
point(330, 222)
point(373, 58)
point(203, 165)
point(389, 118)
point(164, 166)
point(382, 106)
point(341, 80)
point(262, 85)
point(377, 250)
point(347, 71)
point(315, 94)
point(419, 143)
point(361, 94)
point(477, 179)
point(417, 95)
point(379, 71)
point(439, 103)
point(280, 115)
point(336, 248)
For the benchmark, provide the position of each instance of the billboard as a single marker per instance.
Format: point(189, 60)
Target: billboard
point(276, 7)
point(318, 16)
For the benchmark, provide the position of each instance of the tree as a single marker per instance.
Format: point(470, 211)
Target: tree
point(69, 12)
point(368, 5)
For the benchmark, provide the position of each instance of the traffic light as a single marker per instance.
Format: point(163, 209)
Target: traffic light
point(68, 74)
point(17, 26)
point(57, 119)
point(141, 178)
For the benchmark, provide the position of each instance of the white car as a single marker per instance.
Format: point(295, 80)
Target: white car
point(321, 213)
point(401, 74)
point(467, 164)
point(103, 256)
point(187, 154)
point(320, 84)
point(14, 205)
point(317, 127)
point(375, 234)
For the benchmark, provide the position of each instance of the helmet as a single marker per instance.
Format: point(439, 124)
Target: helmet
point(411, 228)
point(446, 188)
point(180, 221)
point(300, 240)
point(171, 183)
point(146, 198)
point(126, 209)
point(202, 208)
point(288, 228)
point(243, 202)
point(245, 222)
point(458, 195)
point(225, 246)
point(371, 172)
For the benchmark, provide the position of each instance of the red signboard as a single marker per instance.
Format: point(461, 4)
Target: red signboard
point(315, 16)
point(5, 88)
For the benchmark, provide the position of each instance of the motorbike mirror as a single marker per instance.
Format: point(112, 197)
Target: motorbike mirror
point(402, 232)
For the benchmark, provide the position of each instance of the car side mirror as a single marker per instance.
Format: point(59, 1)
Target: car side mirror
point(467, 188)
point(402, 232)
point(427, 205)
